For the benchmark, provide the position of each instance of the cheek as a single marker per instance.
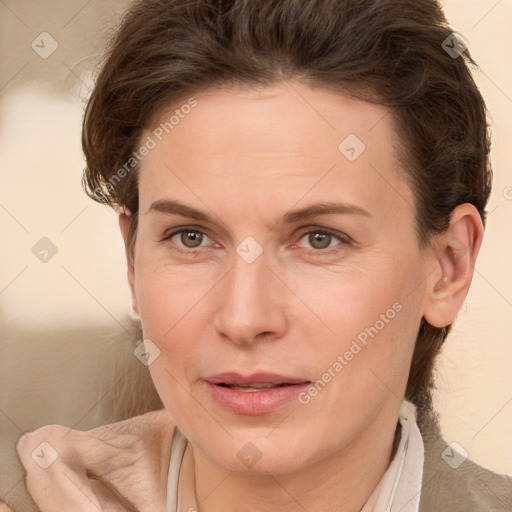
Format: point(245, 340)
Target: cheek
point(167, 308)
point(354, 303)
point(370, 343)
point(369, 325)
point(167, 296)
point(359, 370)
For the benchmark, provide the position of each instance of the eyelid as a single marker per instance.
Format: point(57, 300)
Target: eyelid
point(320, 229)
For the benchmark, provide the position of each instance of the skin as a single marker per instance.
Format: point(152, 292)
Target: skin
point(248, 157)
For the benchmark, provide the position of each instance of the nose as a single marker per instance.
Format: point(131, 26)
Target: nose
point(251, 303)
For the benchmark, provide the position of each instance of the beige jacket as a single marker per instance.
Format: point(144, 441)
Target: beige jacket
point(466, 488)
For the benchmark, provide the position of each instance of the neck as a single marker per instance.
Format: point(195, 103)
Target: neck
point(343, 481)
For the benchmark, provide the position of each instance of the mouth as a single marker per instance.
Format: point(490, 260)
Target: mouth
point(251, 388)
point(254, 394)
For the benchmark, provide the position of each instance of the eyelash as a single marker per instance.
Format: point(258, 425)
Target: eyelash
point(344, 239)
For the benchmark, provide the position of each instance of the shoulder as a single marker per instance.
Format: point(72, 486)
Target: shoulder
point(453, 483)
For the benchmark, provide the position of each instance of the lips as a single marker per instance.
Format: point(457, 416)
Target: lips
point(258, 393)
point(260, 379)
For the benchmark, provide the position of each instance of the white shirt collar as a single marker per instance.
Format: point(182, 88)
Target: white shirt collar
point(400, 486)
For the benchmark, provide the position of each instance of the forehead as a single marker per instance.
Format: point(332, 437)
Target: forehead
point(307, 120)
point(286, 137)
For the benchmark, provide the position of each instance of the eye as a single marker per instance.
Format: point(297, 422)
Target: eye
point(186, 239)
point(322, 239)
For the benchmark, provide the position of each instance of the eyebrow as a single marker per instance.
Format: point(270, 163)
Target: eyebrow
point(173, 207)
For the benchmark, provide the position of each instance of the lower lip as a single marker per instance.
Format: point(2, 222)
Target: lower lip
point(255, 402)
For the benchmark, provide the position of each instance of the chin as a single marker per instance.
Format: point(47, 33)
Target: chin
point(260, 456)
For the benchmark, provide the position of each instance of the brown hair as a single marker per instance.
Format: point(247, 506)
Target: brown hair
point(397, 53)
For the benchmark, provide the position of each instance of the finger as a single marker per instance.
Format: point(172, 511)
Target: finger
point(57, 459)
point(53, 484)
point(58, 490)
point(132, 465)
point(125, 455)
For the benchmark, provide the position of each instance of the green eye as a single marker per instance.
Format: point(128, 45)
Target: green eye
point(321, 239)
point(189, 240)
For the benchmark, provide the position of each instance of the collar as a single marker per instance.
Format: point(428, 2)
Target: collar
point(400, 486)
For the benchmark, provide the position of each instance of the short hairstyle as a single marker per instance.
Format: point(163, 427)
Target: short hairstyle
point(401, 54)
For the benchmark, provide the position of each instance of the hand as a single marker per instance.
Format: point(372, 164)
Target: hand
point(118, 467)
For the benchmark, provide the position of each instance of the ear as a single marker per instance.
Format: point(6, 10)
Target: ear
point(124, 224)
point(455, 256)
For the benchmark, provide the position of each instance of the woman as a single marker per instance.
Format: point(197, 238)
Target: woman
point(301, 187)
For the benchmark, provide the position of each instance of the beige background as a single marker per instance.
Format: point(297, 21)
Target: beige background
point(41, 103)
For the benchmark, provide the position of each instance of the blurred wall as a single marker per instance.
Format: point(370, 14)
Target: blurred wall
point(47, 49)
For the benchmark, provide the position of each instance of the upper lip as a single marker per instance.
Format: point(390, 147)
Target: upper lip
point(236, 379)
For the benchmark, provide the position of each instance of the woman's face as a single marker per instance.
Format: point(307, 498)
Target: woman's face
point(264, 277)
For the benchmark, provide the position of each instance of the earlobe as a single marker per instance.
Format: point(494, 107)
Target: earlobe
point(457, 250)
point(124, 217)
